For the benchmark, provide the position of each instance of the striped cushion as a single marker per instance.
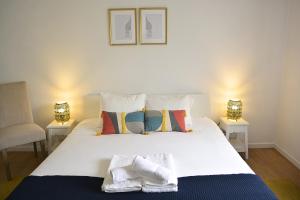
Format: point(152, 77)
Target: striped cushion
point(117, 123)
point(165, 120)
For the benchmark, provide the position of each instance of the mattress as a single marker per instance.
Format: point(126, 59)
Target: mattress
point(205, 151)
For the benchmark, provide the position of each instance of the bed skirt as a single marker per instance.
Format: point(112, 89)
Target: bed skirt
point(235, 186)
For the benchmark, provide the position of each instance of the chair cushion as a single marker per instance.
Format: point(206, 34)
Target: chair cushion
point(20, 134)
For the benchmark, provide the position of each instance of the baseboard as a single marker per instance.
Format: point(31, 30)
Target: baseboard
point(260, 145)
point(287, 156)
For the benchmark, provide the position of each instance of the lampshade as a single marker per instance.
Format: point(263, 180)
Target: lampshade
point(234, 109)
point(62, 111)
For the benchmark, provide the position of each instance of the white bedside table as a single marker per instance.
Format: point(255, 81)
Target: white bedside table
point(238, 127)
point(57, 128)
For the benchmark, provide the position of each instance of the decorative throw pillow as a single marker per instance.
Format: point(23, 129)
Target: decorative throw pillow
point(118, 123)
point(165, 120)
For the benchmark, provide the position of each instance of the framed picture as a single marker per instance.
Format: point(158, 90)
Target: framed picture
point(153, 25)
point(122, 26)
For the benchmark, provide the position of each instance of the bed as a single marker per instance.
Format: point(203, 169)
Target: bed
point(207, 165)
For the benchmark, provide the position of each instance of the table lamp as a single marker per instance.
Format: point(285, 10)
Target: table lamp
point(234, 109)
point(62, 111)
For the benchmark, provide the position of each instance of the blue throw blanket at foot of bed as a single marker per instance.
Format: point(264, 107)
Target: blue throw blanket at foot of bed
point(235, 186)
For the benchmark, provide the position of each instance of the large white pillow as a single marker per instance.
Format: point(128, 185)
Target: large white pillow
point(172, 102)
point(169, 102)
point(122, 102)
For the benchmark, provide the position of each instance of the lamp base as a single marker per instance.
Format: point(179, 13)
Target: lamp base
point(61, 122)
point(235, 120)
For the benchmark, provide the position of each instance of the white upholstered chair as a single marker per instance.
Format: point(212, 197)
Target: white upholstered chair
point(16, 121)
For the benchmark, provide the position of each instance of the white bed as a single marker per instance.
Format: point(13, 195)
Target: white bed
point(76, 168)
point(205, 151)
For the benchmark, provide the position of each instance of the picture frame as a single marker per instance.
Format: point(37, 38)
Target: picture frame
point(153, 25)
point(122, 26)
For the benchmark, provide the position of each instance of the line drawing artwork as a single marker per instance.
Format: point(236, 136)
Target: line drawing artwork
point(148, 28)
point(123, 27)
point(128, 29)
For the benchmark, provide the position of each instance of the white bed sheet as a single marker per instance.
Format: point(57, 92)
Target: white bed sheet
point(205, 151)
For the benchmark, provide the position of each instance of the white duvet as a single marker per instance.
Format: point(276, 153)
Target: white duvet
point(205, 151)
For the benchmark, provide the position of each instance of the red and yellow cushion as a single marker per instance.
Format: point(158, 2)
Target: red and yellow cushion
point(165, 120)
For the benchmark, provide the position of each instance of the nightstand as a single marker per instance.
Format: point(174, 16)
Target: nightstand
point(240, 129)
point(58, 129)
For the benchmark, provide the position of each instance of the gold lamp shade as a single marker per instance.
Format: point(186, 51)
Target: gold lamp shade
point(62, 112)
point(234, 109)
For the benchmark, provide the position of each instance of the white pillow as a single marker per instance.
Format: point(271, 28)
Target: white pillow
point(122, 102)
point(172, 102)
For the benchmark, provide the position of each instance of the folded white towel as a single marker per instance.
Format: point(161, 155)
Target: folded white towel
point(120, 174)
point(167, 188)
point(119, 161)
point(150, 170)
point(125, 186)
point(171, 185)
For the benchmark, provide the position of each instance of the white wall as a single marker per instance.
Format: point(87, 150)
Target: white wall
point(229, 48)
point(288, 138)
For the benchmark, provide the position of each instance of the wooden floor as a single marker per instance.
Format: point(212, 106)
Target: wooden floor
point(21, 164)
point(267, 163)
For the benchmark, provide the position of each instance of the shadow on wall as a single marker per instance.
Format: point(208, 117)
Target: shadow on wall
point(83, 107)
point(44, 112)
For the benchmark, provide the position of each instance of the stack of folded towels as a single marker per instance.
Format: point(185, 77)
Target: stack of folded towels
point(152, 173)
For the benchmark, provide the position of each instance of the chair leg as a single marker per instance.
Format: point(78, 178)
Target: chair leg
point(43, 151)
point(35, 149)
point(6, 164)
